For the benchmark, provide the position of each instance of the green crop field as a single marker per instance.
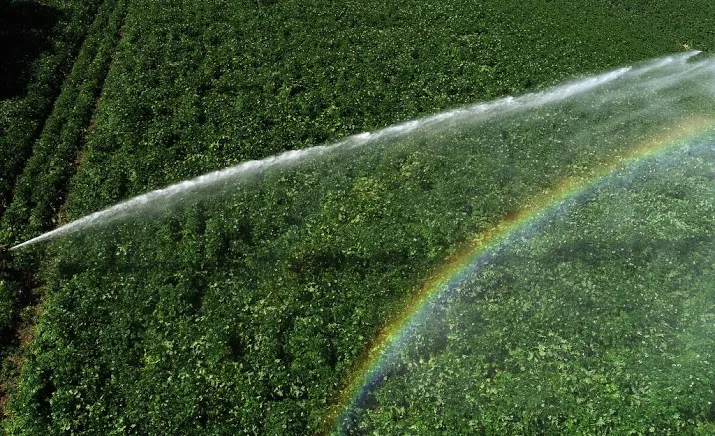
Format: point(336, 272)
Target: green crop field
point(253, 307)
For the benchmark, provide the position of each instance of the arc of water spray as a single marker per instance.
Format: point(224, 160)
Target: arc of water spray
point(153, 200)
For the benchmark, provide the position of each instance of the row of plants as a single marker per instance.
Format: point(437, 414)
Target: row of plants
point(40, 189)
point(24, 110)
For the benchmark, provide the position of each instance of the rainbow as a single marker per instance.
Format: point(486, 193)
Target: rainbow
point(375, 364)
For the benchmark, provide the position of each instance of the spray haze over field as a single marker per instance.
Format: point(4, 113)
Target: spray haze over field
point(540, 263)
point(672, 74)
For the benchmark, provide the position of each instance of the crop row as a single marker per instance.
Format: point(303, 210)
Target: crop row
point(62, 27)
point(40, 189)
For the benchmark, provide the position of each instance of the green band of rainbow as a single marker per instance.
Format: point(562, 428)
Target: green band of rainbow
point(375, 364)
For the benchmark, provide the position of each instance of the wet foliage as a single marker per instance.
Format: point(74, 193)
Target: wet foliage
point(600, 323)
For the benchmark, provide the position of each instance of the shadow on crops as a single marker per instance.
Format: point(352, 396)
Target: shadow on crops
point(25, 33)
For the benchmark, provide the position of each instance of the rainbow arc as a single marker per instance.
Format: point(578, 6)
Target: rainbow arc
point(374, 365)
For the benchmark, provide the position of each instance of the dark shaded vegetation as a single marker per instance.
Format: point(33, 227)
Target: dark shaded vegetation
point(26, 31)
point(41, 188)
point(42, 183)
point(34, 86)
point(16, 285)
